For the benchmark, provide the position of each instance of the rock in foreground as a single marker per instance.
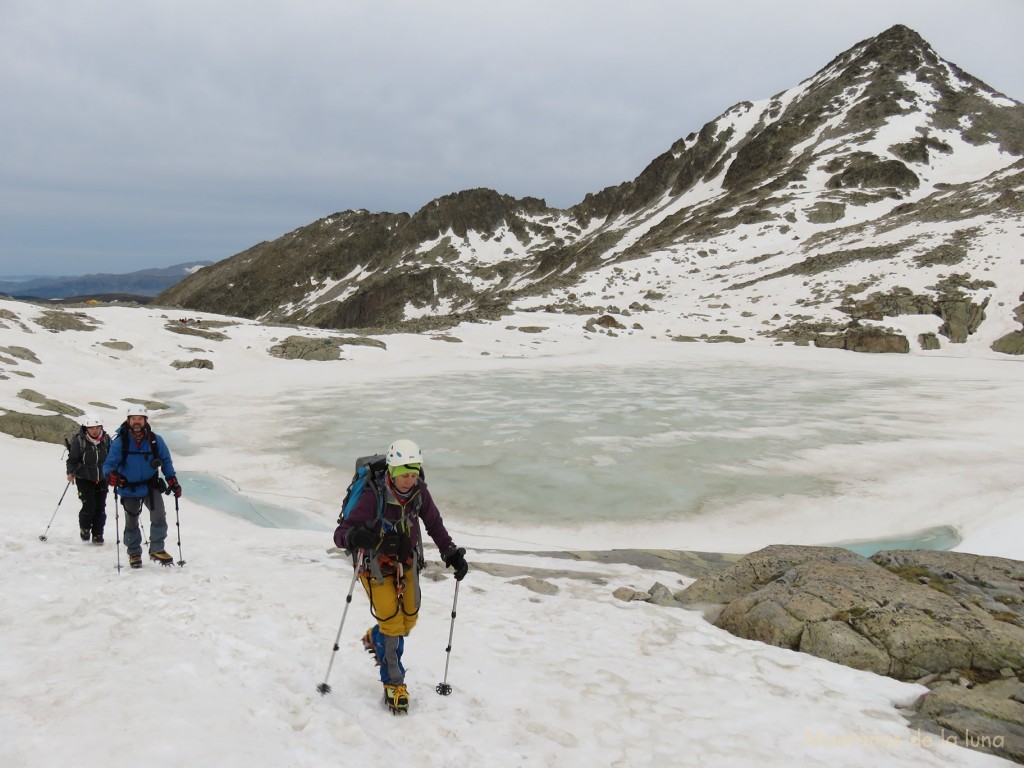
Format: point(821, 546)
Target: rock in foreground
point(951, 620)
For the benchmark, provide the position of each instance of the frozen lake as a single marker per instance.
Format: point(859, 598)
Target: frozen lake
point(713, 444)
point(600, 444)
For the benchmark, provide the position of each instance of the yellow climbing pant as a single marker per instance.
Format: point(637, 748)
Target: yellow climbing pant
point(393, 602)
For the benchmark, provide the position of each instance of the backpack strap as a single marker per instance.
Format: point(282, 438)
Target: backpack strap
point(376, 482)
point(125, 434)
point(67, 444)
point(410, 512)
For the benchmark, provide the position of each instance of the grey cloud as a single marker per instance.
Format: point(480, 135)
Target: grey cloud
point(239, 121)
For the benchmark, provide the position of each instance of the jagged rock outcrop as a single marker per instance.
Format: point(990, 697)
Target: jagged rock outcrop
point(306, 348)
point(862, 169)
point(872, 340)
point(1013, 342)
point(921, 612)
point(1010, 344)
point(986, 717)
point(197, 362)
point(960, 318)
point(933, 617)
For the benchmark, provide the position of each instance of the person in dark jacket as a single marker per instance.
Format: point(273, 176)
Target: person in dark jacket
point(382, 533)
point(87, 451)
point(137, 455)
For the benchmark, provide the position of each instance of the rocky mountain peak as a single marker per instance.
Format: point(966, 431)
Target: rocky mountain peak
point(806, 207)
point(480, 210)
point(898, 49)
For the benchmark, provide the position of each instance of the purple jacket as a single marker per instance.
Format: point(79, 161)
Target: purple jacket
point(365, 513)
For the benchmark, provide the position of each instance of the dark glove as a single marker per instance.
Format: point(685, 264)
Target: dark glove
point(361, 538)
point(174, 487)
point(117, 480)
point(455, 558)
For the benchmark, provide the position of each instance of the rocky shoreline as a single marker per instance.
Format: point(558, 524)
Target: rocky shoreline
point(951, 621)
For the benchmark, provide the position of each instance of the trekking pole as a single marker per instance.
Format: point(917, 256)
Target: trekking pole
point(117, 530)
point(43, 537)
point(143, 508)
point(177, 524)
point(324, 688)
point(443, 688)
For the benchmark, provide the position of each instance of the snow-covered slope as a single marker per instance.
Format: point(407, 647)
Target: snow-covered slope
point(217, 662)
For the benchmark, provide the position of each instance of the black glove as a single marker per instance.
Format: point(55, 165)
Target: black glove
point(361, 538)
point(174, 487)
point(455, 558)
point(117, 480)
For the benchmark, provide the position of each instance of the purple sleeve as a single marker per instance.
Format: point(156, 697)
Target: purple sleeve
point(431, 518)
point(363, 512)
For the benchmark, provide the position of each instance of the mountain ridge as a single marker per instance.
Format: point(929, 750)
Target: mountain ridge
point(864, 157)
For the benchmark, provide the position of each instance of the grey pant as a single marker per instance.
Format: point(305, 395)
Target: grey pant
point(154, 502)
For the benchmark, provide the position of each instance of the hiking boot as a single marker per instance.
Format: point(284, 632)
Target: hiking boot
point(84, 533)
point(161, 557)
point(97, 538)
point(396, 697)
point(370, 647)
point(135, 561)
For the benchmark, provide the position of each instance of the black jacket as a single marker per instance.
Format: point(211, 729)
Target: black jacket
point(85, 459)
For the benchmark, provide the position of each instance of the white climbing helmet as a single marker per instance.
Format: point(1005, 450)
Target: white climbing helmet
point(138, 410)
point(403, 452)
point(91, 420)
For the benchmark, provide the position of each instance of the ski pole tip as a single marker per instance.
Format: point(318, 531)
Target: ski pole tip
point(324, 689)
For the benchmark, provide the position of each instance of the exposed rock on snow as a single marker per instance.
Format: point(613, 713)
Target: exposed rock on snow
point(49, 404)
point(194, 363)
point(46, 429)
point(907, 614)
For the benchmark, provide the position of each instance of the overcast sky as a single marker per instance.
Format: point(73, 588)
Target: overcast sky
point(146, 133)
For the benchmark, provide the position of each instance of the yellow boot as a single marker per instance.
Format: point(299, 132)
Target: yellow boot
point(396, 697)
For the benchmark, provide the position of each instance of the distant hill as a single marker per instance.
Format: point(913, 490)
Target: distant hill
point(145, 283)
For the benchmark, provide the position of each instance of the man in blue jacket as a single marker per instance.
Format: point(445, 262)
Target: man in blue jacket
point(133, 467)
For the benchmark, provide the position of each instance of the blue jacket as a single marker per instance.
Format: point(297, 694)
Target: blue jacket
point(136, 466)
